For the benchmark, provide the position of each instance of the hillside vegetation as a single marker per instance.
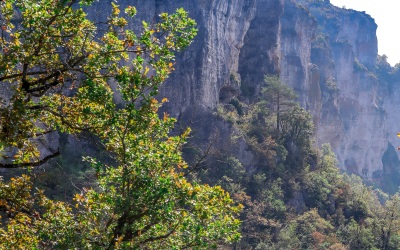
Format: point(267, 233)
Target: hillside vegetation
point(129, 187)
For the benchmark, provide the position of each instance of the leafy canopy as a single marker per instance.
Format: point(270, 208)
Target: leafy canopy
point(61, 71)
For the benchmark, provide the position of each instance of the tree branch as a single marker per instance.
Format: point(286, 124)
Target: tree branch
point(31, 164)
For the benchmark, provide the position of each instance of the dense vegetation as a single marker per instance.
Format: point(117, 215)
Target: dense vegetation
point(133, 190)
point(294, 196)
point(62, 69)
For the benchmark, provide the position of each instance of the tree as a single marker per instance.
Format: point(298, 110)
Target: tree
point(306, 231)
point(386, 224)
point(322, 183)
point(61, 67)
point(280, 97)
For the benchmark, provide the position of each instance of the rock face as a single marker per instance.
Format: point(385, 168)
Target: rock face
point(328, 55)
point(358, 114)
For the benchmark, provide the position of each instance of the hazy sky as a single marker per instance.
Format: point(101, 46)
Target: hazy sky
point(387, 15)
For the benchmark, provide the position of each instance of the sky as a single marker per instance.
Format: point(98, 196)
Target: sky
point(387, 15)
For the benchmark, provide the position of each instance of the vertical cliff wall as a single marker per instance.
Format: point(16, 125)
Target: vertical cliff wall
point(353, 118)
point(326, 54)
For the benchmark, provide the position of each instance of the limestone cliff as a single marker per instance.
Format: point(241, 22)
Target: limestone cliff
point(354, 117)
point(328, 55)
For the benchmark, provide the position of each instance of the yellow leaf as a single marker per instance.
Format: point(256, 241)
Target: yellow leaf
point(165, 116)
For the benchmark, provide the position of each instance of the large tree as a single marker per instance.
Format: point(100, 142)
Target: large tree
point(61, 70)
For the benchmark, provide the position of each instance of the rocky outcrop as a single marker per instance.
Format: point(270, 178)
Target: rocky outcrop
point(326, 54)
point(352, 118)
